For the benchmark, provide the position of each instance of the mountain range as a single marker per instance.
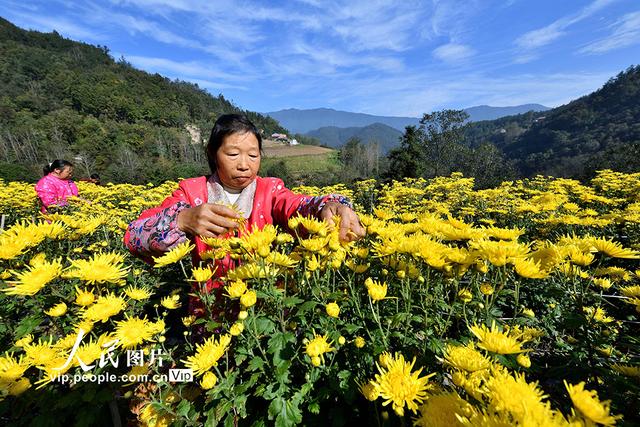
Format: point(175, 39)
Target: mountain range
point(334, 127)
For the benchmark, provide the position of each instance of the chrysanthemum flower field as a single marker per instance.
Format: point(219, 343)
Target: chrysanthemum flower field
point(517, 305)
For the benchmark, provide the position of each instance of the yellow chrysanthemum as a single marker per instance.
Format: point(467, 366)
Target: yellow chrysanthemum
point(628, 370)
point(318, 346)
point(138, 294)
point(100, 268)
point(589, 406)
point(529, 269)
point(369, 391)
point(332, 309)
point(614, 249)
point(248, 299)
point(445, 409)
point(208, 381)
point(208, 354)
point(377, 291)
point(84, 297)
point(30, 282)
point(400, 386)
point(57, 310)
point(174, 255)
point(11, 369)
point(202, 274)
point(133, 331)
point(171, 302)
point(105, 307)
point(495, 341)
point(236, 289)
point(597, 314)
point(465, 358)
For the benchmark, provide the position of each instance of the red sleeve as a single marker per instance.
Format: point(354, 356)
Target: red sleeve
point(285, 202)
point(177, 196)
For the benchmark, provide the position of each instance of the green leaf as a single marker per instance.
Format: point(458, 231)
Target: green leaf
point(307, 306)
point(183, 408)
point(27, 325)
point(265, 326)
point(256, 364)
point(292, 301)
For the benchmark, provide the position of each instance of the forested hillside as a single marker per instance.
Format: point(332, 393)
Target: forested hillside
point(65, 99)
point(600, 130)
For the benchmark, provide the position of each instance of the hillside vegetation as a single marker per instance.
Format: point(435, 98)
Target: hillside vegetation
point(597, 131)
point(65, 99)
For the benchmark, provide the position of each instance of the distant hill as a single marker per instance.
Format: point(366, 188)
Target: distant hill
point(332, 136)
point(303, 121)
point(65, 99)
point(597, 131)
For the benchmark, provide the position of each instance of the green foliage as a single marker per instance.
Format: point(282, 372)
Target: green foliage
point(64, 99)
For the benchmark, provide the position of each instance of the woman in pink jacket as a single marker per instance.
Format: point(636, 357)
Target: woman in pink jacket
point(56, 185)
point(197, 208)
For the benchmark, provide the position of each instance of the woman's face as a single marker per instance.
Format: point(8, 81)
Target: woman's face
point(238, 160)
point(64, 173)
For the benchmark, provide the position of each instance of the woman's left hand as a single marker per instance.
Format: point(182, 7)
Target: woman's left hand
point(350, 227)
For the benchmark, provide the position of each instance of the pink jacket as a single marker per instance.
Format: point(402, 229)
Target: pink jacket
point(155, 230)
point(54, 191)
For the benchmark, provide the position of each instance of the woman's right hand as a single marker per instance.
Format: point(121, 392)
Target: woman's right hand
point(207, 220)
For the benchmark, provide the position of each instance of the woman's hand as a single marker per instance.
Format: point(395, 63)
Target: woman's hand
point(207, 220)
point(350, 227)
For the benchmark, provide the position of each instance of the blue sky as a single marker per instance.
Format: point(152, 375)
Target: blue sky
point(401, 58)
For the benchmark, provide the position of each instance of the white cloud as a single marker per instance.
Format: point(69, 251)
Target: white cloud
point(545, 35)
point(453, 52)
point(626, 33)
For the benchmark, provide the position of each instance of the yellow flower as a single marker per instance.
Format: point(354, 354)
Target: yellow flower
point(400, 386)
point(628, 370)
point(529, 269)
point(465, 295)
point(523, 360)
point(377, 291)
point(444, 409)
point(613, 249)
point(529, 313)
point(236, 329)
point(597, 314)
point(602, 282)
point(248, 299)
point(370, 391)
point(19, 387)
point(34, 279)
point(332, 309)
point(359, 342)
point(243, 314)
point(100, 268)
point(514, 395)
point(11, 368)
point(174, 255)
point(318, 346)
point(27, 339)
point(208, 354)
point(465, 358)
point(138, 294)
point(57, 310)
point(495, 341)
point(209, 380)
point(202, 274)
point(134, 331)
point(171, 302)
point(188, 320)
point(384, 359)
point(236, 289)
point(84, 298)
point(104, 308)
point(486, 288)
point(589, 406)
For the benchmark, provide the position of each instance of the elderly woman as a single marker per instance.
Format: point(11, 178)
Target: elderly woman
point(197, 207)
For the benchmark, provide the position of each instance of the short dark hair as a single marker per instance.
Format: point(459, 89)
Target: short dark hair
point(226, 125)
point(56, 164)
